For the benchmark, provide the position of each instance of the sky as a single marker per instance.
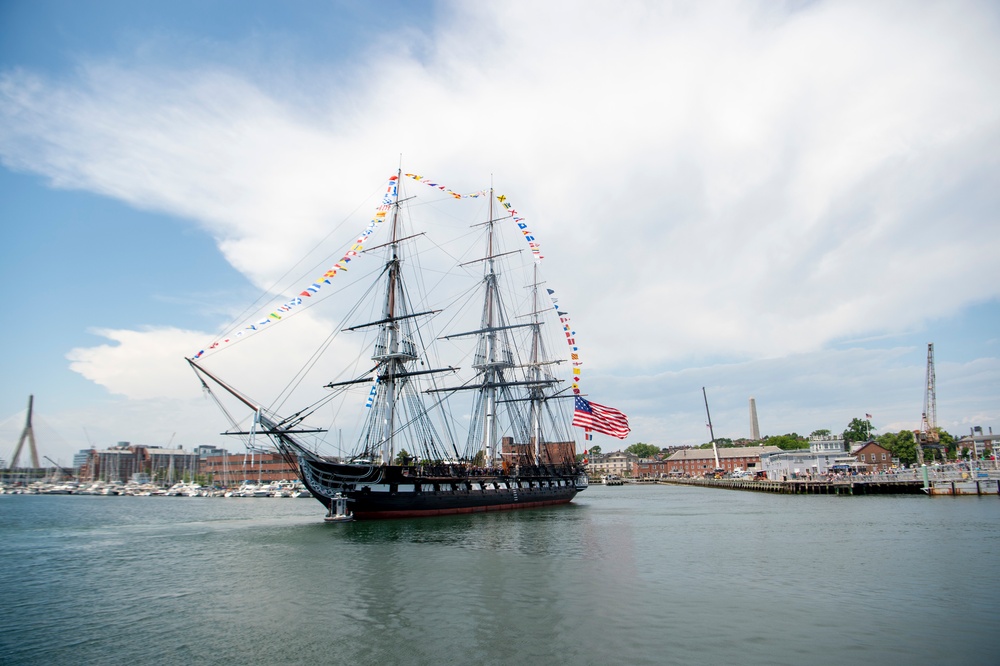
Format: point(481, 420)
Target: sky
point(785, 201)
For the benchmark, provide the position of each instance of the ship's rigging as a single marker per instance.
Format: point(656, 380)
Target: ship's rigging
point(410, 397)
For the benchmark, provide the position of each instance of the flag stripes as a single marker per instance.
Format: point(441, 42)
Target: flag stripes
point(605, 420)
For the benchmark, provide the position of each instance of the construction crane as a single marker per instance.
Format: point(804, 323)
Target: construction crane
point(928, 434)
point(715, 449)
point(63, 470)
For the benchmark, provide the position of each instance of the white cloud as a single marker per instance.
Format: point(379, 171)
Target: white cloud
point(141, 364)
point(733, 180)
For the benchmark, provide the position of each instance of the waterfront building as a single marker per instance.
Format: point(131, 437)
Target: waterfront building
point(650, 468)
point(80, 459)
point(977, 442)
point(878, 458)
point(121, 463)
point(233, 469)
point(171, 464)
point(620, 463)
point(825, 454)
point(551, 453)
point(206, 450)
point(699, 462)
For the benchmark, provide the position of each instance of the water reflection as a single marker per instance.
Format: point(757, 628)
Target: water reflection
point(541, 532)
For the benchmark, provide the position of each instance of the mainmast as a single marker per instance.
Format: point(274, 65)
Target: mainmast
point(489, 364)
point(391, 357)
point(499, 393)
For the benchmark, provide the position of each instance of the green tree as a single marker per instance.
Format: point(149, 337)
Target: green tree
point(948, 441)
point(643, 450)
point(902, 445)
point(858, 431)
point(403, 457)
point(720, 443)
point(595, 450)
point(788, 442)
point(820, 433)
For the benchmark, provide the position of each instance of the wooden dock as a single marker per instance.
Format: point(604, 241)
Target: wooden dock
point(956, 487)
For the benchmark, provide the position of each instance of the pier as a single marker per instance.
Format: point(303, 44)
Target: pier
point(954, 479)
point(847, 486)
point(937, 484)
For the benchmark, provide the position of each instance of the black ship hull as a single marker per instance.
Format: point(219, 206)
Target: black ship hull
point(381, 491)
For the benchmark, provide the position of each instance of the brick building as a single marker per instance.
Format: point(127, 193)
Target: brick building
point(233, 469)
point(878, 458)
point(552, 453)
point(699, 462)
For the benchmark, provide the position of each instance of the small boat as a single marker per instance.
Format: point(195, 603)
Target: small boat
point(60, 489)
point(300, 491)
point(338, 512)
point(184, 489)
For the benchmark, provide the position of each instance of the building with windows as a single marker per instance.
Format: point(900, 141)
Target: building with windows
point(231, 470)
point(80, 458)
point(700, 462)
point(551, 453)
point(122, 463)
point(876, 457)
point(206, 450)
point(976, 443)
point(825, 454)
point(619, 463)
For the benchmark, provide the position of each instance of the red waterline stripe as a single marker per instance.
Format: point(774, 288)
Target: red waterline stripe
point(447, 512)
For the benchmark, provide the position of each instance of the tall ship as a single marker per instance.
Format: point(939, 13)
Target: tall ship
point(456, 402)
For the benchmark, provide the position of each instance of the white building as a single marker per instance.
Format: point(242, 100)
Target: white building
point(824, 454)
point(619, 463)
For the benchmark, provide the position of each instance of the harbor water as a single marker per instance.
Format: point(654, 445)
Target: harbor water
point(630, 575)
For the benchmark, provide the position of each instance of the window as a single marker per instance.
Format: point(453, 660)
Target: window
point(883, 456)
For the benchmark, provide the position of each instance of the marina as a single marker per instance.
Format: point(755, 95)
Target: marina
point(183, 489)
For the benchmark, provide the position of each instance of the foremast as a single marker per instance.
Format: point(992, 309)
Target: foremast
point(396, 406)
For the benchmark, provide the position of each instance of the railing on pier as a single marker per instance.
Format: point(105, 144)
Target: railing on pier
point(846, 486)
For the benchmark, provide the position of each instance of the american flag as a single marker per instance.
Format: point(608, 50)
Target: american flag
point(606, 420)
